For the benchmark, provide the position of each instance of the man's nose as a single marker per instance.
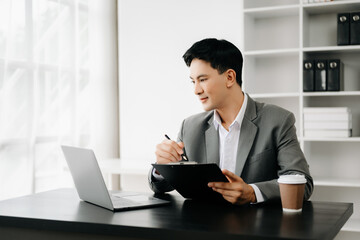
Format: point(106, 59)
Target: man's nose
point(197, 88)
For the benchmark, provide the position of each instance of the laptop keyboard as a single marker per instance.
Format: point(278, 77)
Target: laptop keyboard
point(122, 202)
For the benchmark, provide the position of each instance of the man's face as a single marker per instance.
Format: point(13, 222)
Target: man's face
point(209, 85)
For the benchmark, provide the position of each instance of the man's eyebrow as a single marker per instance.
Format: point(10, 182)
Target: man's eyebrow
point(201, 75)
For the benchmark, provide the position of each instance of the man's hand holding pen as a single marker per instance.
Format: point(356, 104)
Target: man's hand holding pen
point(169, 151)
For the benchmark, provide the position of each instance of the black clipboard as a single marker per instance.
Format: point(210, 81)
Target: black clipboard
point(191, 180)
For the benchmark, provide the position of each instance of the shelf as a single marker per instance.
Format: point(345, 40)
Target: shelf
point(252, 4)
point(322, 139)
point(331, 7)
point(272, 52)
point(341, 93)
point(267, 12)
point(278, 36)
point(352, 225)
point(333, 49)
point(327, 182)
point(274, 95)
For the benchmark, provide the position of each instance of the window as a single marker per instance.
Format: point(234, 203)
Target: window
point(44, 91)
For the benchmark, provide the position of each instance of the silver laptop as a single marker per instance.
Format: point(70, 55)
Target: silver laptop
point(91, 187)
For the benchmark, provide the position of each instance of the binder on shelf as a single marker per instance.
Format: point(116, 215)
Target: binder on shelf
point(334, 79)
point(343, 29)
point(355, 28)
point(320, 75)
point(308, 76)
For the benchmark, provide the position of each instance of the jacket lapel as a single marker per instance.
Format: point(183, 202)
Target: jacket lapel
point(247, 136)
point(212, 143)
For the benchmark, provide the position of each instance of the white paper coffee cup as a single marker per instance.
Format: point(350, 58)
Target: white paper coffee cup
point(292, 188)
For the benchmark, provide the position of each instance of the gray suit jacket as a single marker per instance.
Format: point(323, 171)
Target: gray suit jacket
point(268, 147)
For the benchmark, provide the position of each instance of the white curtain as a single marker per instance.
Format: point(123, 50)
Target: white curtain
point(49, 90)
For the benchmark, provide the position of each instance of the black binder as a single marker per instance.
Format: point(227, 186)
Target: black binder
point(191, 180)
point(355, 28)
point(334, 81)
point(308, 76)
point(320, 75)
point(343, 29)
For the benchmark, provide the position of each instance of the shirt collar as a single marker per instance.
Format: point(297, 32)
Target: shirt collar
point(239, 118)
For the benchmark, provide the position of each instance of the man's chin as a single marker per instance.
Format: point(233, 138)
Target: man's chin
point(207, 108)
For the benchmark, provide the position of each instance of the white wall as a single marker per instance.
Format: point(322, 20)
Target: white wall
point(155, 89)
point(103, 51)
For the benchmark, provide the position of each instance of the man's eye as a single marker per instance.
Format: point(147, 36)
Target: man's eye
point(203, 79)
point(193, 82)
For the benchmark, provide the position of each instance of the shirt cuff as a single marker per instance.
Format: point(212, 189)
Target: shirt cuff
point(258, 194)
point(157, 177)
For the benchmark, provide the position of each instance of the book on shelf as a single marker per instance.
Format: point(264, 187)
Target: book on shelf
point(326, 110)
point(328, 125)
point(327, 122)
point(347, 116)
point(312, 133)
point(315, 1)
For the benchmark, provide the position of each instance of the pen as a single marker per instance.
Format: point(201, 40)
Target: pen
point(184, 158)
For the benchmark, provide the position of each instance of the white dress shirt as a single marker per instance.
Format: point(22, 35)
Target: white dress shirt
point(229, 141)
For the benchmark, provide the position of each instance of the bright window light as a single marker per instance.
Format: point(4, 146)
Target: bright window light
point(45, 97)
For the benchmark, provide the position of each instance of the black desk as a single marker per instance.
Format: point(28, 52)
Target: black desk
point(59, 214)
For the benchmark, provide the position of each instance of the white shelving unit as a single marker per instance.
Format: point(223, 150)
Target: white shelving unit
point(278, 36)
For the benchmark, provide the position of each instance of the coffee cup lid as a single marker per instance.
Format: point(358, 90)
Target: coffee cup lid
point(292, 179)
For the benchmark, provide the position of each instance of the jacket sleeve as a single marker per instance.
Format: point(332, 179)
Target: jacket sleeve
point(290, 158)
point(158, 186)
point(161, 186)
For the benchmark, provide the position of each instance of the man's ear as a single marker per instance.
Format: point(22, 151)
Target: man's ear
point(230, 78)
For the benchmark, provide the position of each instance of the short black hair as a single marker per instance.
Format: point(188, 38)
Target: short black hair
point(221, 54)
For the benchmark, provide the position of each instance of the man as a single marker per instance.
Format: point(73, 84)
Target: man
point(254, 143)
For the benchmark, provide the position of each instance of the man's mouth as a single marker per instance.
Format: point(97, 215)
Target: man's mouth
point(203, 99)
